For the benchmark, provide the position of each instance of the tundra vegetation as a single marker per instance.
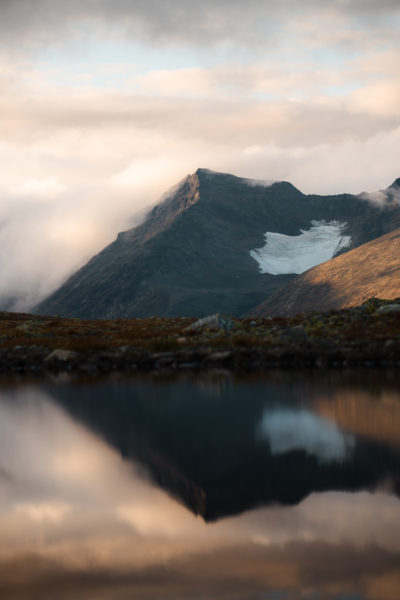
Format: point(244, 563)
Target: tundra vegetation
point(367, 335)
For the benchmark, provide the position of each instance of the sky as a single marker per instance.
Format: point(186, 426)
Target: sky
point(105, 104)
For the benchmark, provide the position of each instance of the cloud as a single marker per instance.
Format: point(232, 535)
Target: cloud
point(381, 98)
point(44, 189)
point(42, 243)
point(177, 21)
point(378, 197)
point(43, 511)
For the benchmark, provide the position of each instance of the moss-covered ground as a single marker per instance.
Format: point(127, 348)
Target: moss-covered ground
point(357, 335)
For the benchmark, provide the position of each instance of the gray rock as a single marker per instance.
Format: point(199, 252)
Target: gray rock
point(26, 326)
point(217, 321)
point(188, 366)
point(61, 355)
point(30, 326)
point(387, 308)
point(389, 344)
point(223, 355)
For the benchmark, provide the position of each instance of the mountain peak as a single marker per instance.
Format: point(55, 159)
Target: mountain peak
point(395, 184)
point(203, 171)
point(209, 174)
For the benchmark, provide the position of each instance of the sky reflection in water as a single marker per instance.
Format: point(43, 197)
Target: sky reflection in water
point(77, 520)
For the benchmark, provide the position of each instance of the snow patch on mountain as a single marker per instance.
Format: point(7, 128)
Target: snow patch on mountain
point(284, 254)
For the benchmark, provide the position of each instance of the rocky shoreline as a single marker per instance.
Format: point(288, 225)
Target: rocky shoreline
point(35, 360)
point(366, 336)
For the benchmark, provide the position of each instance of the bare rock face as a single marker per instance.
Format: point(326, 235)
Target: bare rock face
point(371, 270)
point(206, 249)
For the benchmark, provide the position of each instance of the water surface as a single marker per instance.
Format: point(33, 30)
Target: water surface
point(286, 486)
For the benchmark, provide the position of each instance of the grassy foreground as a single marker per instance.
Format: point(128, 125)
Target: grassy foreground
point(368, 335)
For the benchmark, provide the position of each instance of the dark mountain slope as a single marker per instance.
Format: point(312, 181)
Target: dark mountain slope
point(372, 270)
point(191, 256)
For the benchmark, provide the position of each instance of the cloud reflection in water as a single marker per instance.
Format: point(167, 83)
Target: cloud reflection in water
point(77, 518)
point(300, 429)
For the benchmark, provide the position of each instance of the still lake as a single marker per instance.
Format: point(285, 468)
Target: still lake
point(274, 487)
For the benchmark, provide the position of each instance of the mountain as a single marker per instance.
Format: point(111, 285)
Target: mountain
point(371, 270)
point(203, 249)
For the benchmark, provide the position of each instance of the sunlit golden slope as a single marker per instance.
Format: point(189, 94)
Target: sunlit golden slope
point(372, 269)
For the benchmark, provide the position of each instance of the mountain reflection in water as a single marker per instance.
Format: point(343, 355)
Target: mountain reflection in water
point(210, 487)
